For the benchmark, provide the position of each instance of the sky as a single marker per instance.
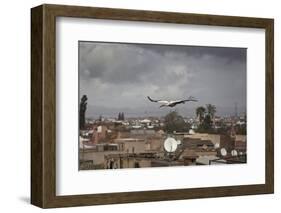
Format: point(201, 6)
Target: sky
point(118, 77)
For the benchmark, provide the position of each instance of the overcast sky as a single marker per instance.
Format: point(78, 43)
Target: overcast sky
point(117, 77)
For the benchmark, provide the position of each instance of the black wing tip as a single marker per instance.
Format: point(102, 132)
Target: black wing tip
point(191, 98)
point(151, 99)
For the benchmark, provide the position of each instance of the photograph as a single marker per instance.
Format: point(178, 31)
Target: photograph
point(121, 97)
point(155, 105)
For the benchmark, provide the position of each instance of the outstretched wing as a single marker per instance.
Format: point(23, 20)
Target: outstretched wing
point(158, 101)
point(186, 100)
point(191, 98)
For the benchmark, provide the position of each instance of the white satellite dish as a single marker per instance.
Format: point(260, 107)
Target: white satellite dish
point(234, 152)
point(191, 132)
point(170, 144)
point(223, 152)
point(217, 145)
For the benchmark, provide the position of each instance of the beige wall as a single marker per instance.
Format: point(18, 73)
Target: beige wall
point(214, 138)
point(136, 146)
point(240, 138)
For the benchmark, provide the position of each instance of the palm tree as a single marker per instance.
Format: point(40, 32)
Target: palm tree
point(200, 113)
point(211, 110)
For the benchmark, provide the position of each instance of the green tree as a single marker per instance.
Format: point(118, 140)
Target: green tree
point(211, 110)
point(175, 122)
point(82, 111)
point(206, 116)
point(121, 116)
point(207, 123)
point(200, 113)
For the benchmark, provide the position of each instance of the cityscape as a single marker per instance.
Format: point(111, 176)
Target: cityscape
point(126, 123)
point(205, 139)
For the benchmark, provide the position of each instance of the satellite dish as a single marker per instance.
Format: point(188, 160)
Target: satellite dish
point(234, 152)
point(179, 142)
point(191, 132)
point(240, 153)
point(217, 145)
point(223, 152)
point(170, 144)
point(205, 146)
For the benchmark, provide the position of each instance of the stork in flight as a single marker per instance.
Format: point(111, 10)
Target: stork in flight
point(172, 103)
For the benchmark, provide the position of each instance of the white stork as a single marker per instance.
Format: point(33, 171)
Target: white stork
point(172, 103)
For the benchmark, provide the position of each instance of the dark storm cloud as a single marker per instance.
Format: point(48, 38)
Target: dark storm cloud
point(119, 76)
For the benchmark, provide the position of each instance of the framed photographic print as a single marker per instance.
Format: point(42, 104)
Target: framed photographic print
point(136, 106)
